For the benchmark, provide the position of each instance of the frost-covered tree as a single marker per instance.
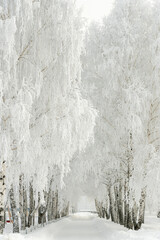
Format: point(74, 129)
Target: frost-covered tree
point(119, 71)
point(44, 118)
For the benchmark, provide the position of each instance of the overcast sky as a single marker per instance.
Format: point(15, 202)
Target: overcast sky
point(95, 9)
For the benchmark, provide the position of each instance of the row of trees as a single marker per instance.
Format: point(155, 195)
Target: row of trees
point(122, 77)
point(32, 208)
point(44, 120)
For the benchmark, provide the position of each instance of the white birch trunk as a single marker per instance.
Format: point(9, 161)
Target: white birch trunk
point(31, 205)
point(21, 210)
point(25, 211)
point(2, 192)
point(14, 212)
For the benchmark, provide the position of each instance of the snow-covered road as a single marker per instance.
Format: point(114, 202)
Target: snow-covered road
point(86, 226)
point(78, 226)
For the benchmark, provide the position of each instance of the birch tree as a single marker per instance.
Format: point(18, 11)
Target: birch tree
point(117, 64)
point(43, 111)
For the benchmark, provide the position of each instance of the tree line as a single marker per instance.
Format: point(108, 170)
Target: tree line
point(121, 74)
point(44, 117)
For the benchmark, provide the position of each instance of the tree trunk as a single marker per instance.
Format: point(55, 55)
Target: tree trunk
point(14, 212)
point(129, 210)
point(135, 215)
point(67, 209)
point(107, 209)
point(25, 210)
point(142, 208)
point(31, 205)
point(43, 209)
point(56, 213)
point(2, 189)
point(39, 212)
point(57, 203)
point(34, 213)
point(120, 206)
point(125, 205)
point(116, 204)
point(111, 204)
point(130, 222)
point(52, 206)
point(49, 211)
point(21, 210)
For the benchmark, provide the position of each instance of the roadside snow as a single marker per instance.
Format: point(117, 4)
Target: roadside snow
point(88, 226)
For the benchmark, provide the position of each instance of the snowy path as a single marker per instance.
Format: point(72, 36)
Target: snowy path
point(85, 226)
point(79, 226)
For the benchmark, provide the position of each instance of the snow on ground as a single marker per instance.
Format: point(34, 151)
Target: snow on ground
point(88, 226)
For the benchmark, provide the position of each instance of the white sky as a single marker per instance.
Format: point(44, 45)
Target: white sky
point(95, 9)
point(86, 204)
